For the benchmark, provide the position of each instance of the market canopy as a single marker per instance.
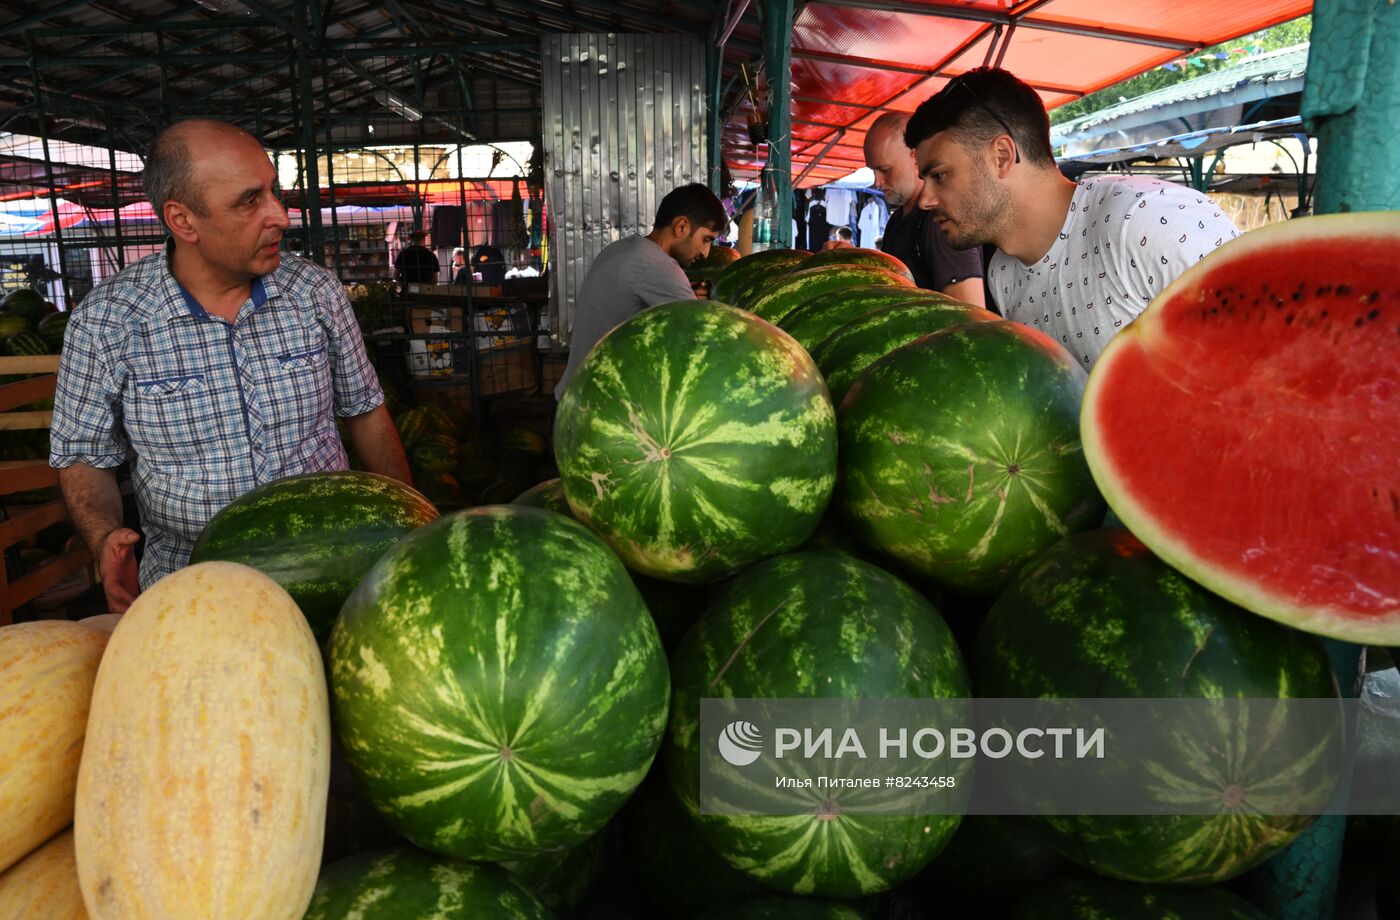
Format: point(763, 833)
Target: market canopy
point(108, 69)
point(854, 59)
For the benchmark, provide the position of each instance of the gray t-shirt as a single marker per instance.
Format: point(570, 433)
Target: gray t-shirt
point(626, 278)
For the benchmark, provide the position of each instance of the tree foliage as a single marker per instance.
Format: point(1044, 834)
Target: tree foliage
point(1284, 35)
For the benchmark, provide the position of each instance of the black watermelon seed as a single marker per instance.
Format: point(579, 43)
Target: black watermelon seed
point(1288, 319)
point(1343, 290)
point(1373, 314)
point(1373, 296)
point(1297, 295)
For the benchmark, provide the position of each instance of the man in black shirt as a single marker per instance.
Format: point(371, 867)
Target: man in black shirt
point(909, 237)
point(416, 264)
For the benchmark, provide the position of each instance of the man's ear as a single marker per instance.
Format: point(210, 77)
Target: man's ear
point(1003, 155)
point(179, 219)
point(681, 228)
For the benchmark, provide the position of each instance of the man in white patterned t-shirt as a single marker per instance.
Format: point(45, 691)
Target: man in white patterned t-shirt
point(1078, 262)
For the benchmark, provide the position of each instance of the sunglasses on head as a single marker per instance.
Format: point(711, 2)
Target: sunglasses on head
point(961, 83)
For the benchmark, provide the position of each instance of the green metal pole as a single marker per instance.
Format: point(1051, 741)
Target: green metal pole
point(777, 63)
point(1351, 103)
point(714, 125)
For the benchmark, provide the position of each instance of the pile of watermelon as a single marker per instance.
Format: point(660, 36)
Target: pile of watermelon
point(825, 484)
point(30, 325)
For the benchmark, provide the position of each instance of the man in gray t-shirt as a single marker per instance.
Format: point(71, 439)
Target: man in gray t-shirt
point(630, 275)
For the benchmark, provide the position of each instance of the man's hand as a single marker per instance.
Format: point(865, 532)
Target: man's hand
point(117, 565)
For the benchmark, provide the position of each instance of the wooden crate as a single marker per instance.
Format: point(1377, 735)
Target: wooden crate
point(24, 475)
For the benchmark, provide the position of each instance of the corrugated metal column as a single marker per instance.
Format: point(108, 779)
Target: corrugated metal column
point(777, 64)
point(1351, 102)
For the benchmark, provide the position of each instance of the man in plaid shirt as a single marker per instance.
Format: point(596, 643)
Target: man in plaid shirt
point(215, 366)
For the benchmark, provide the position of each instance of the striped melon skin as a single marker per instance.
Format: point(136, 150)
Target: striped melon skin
point(203, 787)
point(697, 439)
point(44, 885)
point(499, 687)
point(405, 883)
point(47, 669)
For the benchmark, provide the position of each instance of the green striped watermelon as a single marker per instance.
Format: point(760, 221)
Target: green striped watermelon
point(407, 884)
point(991, 863)
point(26, 343)
point(673, 606)
point(677, 871)
point(845, 353)
point(28, 303)
point(12, 324)
point(314, 534)
point(849, 255)
point(1103, 899)
point(436, 453)
point(786, 293)
point(548, 494)
point(1098, 616)
point(754, 271)
point(562, 880)
point(440, 421)
point(960, 453)
point(781, 908)
point(710, 267)
point(816, 625)
point(51, 330)
point(817, 319)
point(443, 489)
point(696, 439)
point(498, 685)
point(412, 425)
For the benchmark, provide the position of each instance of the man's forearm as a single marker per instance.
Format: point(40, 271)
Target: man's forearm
point(376, 441)
point(94, 502)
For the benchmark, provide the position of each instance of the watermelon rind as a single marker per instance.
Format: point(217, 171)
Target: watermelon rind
point(1098, 616)
point(697, 439)
point(1077, 898)
point(1371, 573)
point(498, 685)
point(818, 318)
point(406, 883)
point(786, 293)
point(315, 534)
point(848, 255)
point(753, 271)
point(845, 354)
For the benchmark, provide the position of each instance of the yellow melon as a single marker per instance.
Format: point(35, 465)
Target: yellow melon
point(46, 674)
point(202, 792)
point(43, 885)
point(103, 621)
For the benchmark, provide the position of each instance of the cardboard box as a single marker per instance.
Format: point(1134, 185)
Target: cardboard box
point(509, 368)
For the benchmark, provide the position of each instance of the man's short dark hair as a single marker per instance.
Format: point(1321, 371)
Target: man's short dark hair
point(980, 105)
point(693, 201)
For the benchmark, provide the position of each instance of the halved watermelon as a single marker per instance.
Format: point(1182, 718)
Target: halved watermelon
point(1246, 426)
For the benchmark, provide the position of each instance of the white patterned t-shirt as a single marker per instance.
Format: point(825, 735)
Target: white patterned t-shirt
point(1124, 240)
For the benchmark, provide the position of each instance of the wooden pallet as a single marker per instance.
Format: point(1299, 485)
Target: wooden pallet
point(23, 475)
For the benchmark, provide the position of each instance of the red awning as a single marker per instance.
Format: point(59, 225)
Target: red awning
point(853, 59)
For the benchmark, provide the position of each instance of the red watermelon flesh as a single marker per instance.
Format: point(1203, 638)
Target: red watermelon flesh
point(1247, 426)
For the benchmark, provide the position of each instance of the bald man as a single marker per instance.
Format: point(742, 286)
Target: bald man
point(909, 236)
point(214, 366)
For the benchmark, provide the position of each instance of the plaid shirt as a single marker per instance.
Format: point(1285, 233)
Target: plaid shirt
point(207, 409)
